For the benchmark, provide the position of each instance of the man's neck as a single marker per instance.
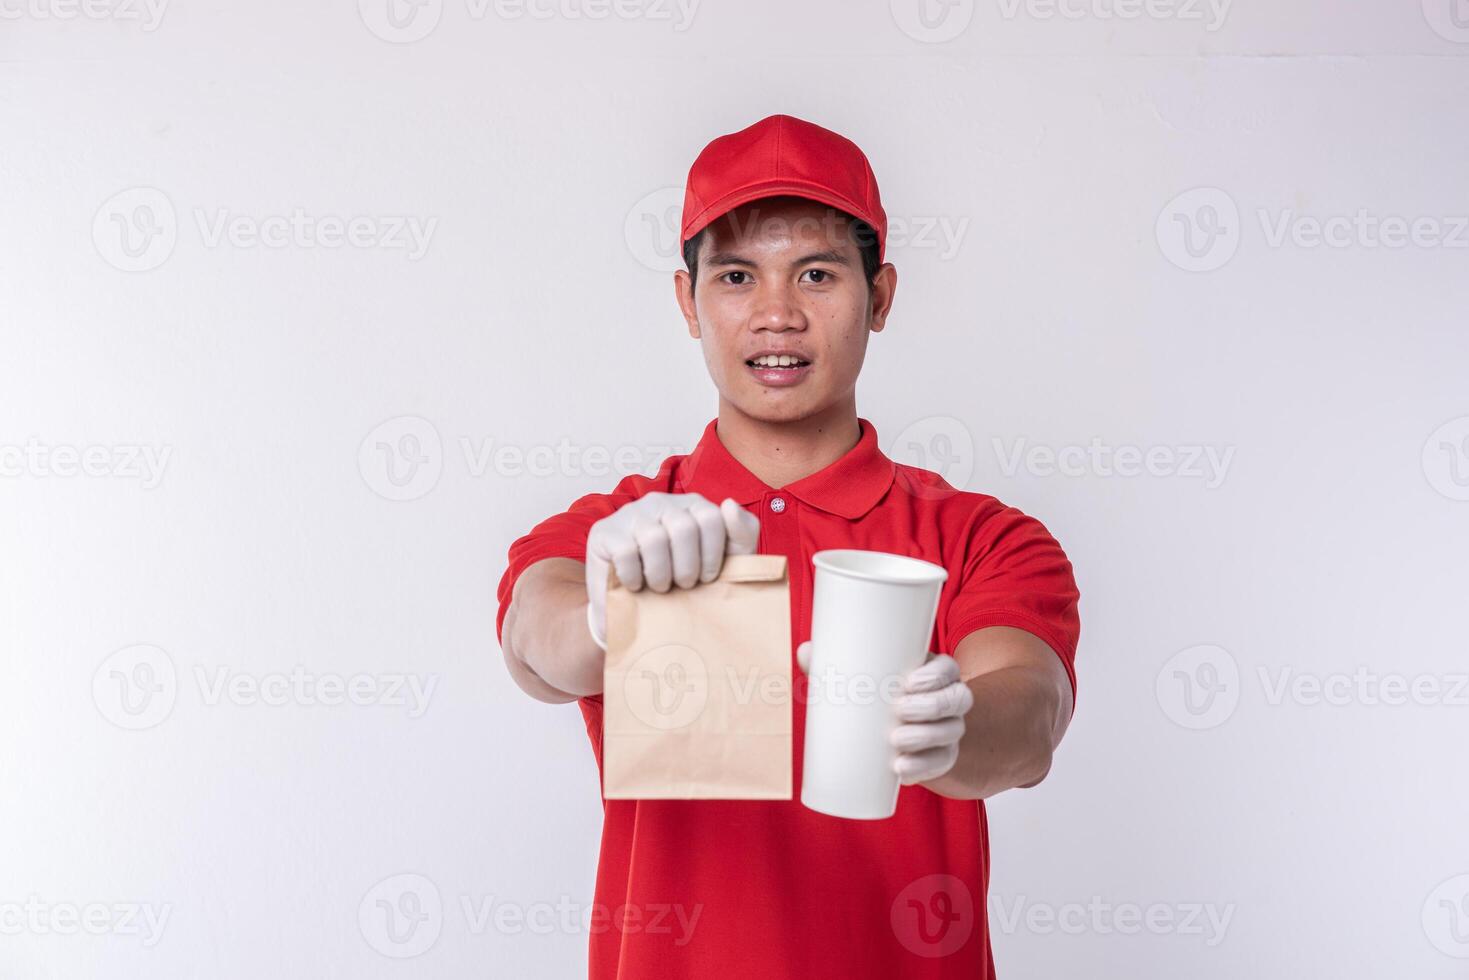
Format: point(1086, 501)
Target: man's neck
point(780, 453)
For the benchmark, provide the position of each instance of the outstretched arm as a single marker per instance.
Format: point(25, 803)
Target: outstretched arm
point(1021, 705)
point(548, 649)
point(555, 627)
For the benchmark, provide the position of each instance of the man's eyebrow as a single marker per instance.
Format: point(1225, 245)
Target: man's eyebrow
point(830, 256)
point(728, 258)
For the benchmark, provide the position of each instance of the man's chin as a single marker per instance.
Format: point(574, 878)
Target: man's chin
point(777, 406)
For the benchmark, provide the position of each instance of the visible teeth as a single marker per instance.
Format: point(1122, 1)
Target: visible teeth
point(776, 360)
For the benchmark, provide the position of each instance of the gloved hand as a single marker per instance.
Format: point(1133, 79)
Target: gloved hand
point(930, 712)
point(661, 540)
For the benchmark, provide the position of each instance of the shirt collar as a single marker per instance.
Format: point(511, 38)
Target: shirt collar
point(849, 487)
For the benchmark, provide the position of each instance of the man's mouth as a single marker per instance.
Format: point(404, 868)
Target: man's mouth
point(776, 370)
point(777, 361)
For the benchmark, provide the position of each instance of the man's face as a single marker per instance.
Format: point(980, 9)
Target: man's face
point(783, 275)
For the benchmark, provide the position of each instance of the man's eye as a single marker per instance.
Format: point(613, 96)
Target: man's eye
point(743, 276)
point(818, 275)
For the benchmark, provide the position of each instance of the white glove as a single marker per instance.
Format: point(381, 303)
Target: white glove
point(930, 713)
point(661, 540)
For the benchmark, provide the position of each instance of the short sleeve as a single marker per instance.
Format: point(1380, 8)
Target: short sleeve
point(562, 535)
point(1014, 573)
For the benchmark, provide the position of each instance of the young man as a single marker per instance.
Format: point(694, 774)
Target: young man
point(784, 233)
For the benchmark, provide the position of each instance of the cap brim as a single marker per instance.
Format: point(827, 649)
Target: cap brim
point(775, 188)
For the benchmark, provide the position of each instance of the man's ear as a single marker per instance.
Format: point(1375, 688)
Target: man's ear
point(683, 291)
point(884, 288)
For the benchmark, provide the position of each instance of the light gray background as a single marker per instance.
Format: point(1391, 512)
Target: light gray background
point(289, 529)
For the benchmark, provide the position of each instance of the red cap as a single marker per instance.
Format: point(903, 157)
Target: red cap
point(782, 155)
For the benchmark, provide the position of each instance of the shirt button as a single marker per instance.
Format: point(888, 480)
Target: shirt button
point(778, 504)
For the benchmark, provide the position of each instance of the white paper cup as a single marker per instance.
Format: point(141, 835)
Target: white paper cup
point(872, 617)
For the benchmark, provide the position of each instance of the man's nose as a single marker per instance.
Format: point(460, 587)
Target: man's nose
point(777, 309)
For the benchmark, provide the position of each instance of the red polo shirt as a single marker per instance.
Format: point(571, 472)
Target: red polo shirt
point(709, 889)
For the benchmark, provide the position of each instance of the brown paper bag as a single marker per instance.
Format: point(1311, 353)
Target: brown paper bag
point(697, 687)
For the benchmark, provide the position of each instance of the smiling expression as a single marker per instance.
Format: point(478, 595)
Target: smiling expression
point(782, 307)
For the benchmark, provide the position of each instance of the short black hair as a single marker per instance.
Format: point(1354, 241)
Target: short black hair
point(863, 234)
